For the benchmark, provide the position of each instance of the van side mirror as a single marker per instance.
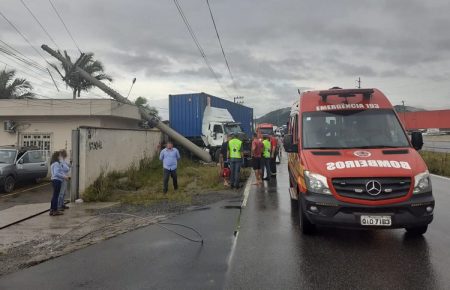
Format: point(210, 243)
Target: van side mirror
point(417, 140)
point(288, 144)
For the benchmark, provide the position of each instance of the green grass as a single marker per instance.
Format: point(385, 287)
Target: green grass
point(437, 162)
point(142, 183)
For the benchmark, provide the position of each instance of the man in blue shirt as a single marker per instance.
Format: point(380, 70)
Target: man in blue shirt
point(169, 156)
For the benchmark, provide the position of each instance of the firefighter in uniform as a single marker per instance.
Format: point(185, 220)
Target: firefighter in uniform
point(235, 158)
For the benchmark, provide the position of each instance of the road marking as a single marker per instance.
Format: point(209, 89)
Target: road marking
point(247, 190)
point(443, 177)
point(28, 189)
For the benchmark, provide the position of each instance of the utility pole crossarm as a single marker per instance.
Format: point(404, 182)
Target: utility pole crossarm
point(153, 121)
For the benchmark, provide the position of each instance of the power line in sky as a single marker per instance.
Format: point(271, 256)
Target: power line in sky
point(220, 42)
point(40, 24)
point(11, 50)
point(199, 47)
point(64, 24)
point(23, 36)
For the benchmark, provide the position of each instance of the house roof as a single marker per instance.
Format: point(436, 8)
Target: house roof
point(67, 107)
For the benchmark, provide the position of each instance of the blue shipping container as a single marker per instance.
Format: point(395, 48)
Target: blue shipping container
point(186, 113)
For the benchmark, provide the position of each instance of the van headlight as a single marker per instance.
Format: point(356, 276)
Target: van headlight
point(316, 183)
point(422, 183)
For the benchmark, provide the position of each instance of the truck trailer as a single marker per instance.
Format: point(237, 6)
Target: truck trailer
point(206, 120)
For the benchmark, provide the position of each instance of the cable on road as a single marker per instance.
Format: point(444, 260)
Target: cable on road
point(162, 225)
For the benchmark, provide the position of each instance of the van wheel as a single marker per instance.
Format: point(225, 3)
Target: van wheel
point(417, 231)
point(10, 182)
point(306, 226)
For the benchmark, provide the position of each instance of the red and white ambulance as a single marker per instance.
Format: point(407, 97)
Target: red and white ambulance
point(351, 163)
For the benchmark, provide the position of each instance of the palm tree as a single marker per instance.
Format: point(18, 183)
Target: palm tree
point(14, 88)
point(143, 103)
point(87, 63)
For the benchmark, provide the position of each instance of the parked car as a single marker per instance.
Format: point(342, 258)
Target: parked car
point(21, 165)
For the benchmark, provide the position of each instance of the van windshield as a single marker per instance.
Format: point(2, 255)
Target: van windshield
point(352, 129)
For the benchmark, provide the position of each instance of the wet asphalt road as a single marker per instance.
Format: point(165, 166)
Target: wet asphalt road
point(271, 253)
point(268, 253)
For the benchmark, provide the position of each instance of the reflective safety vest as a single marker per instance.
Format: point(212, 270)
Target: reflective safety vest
point(266, 152)
point(234, 146)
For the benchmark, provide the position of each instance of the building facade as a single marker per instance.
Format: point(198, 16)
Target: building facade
point(48, 124)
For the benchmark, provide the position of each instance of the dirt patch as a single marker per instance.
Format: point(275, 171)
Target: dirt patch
point(105, 223)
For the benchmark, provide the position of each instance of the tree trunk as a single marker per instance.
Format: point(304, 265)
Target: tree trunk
point(79, 92)
point(74, 91)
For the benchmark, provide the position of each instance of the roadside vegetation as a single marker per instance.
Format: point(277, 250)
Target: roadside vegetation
point(141, 184)
point(437, 162)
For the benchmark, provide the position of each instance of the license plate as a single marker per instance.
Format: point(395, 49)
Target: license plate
point(369, 220)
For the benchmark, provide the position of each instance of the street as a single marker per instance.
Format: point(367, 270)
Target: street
point(268, 253)
point(271, 253)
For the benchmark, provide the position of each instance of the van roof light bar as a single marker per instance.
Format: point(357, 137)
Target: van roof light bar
point(367, 93)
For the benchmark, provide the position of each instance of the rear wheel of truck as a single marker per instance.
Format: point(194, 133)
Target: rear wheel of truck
point(417, 231)
point(10, 182)
point(306, 226)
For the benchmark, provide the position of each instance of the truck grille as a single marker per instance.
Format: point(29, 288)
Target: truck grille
point(368, 188)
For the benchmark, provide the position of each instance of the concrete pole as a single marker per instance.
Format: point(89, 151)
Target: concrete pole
point(153, 121)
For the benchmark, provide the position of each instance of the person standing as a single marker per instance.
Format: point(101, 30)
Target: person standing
point(267, 151)
point(223, 161)
point(257, 148)
point(65, 168)
point(235, 159)
point(57, 178)
point(169, 156)
point(273, 155)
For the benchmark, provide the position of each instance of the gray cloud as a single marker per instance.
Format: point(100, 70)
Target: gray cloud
point(274, 47)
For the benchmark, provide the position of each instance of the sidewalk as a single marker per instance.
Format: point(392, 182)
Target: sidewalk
point(44, 237)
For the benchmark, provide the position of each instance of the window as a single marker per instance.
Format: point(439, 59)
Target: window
point(217, 129)
point(38, 140)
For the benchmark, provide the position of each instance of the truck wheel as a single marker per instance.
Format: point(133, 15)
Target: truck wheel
point(217, 155)
point(306, 226)
point(417, 231)
point(10, 182)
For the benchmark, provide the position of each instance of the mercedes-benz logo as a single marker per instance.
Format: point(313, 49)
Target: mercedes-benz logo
point(373, 187)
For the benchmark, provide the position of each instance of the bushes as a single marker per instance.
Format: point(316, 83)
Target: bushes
point(142, 183)
point(437, 162)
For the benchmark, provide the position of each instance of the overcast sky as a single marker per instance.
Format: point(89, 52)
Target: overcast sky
point(274, 47)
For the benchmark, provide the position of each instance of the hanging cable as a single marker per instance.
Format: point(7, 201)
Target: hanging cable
point(220, 43)
point(40, 24)
point(64, 24)
point(199, 47)
point(23, 36)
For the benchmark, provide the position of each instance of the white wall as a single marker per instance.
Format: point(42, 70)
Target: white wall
point(112, 149)
point(60, 127)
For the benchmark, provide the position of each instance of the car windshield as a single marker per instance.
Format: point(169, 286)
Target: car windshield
point(233, 129)
point(352, 129)
point(7, 156)
point(266, 131)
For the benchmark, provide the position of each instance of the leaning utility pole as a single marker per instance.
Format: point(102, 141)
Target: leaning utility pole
point(152, 120)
